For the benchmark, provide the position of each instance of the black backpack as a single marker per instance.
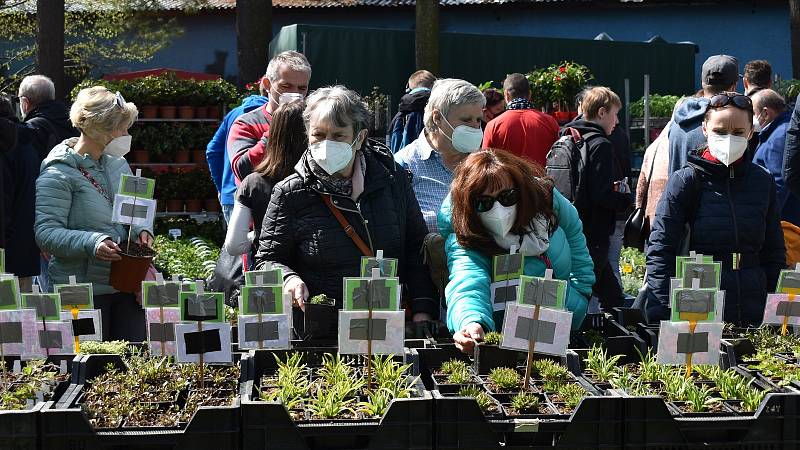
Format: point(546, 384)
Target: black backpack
point(566, 163)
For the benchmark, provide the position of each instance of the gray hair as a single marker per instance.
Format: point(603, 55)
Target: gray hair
point(339, 105)
point(293, 60)
point(767, 98)
point(449, 92)
point(37, 89)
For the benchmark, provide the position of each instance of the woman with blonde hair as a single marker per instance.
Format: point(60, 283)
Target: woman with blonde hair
point(74, 198)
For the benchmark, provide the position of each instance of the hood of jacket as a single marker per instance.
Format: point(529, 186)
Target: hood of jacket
point(55, 112)
point(584, 126)
point(414, 101)
point(253, 102)
point(64, 153)
point(691, 110)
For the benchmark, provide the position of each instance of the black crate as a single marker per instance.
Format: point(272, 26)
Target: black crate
point(617, 340)
point(737, 350)
point(648, 333)
point(63, 425)
point(267, 425)
point(19, 428)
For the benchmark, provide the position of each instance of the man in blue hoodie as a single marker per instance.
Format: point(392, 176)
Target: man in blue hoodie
point(720, 73)
point(219, 163)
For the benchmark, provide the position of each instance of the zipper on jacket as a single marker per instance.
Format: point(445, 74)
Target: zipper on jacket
point(366, 225)
point(736, 241)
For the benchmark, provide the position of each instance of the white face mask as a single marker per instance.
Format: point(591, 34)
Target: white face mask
point(332, 156)
point(727, 148)
point(499, 219)
point(119, 146)
point(465, 139)
point(287, 97)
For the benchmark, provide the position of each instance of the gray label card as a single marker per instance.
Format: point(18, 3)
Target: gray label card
point(541, 292)
point(50, 339)
point(162, 332)
point(508, 264)
point(44, 305)
point(361, 328)
point(791, 280)
point(703, 272)
point(131, 210)
point(74, 295)
point(371, 291)
point(539, 330)
point(261, 331)
point(261, 301)
point(700, 302)
point(693, 342)
point(163, 295)
point(202, 306)
point(10, 332)
point(791, 309)
point(136, 185)
point(505, 294)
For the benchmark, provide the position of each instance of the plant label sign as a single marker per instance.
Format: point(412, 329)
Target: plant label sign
point(18, 333)
point(676, 341)
point(545, 292)
point(46, 306)
point(88, 325)
point(77, 296)
point(504, 292)
point(507, 267)
point(693, 257)
point(267, 277)
point(271, 331)
point(9, 293)
point(264, 300)
point(385, 330)
point(213, 342)
point(707, 273)
point(782, 309)
point(206, 306)
point(550, 331)
point(55, 339)
point(378, 294)
point(789, 282)
point(138, 187)
point(133, 211)
point(386, 266)
point(697, 305)
point(165, 295)
point(2, 260)
point(161, 330)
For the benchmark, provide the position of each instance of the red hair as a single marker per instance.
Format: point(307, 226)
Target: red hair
point(488, 169)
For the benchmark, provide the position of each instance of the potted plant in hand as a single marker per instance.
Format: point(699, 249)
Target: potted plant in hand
point(128, 273)
point(320, 319)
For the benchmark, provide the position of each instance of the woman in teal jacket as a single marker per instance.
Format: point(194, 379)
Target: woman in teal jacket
point(74, 197)
point(498, 200)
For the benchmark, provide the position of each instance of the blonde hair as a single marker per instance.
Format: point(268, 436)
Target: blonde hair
point(97, 113)
point(596, 98)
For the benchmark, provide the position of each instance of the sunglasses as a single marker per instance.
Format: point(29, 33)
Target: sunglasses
point(119, 100)
point(484, 203)
point(738, 100)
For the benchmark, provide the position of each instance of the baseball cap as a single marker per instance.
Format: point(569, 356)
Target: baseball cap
point(720, 70)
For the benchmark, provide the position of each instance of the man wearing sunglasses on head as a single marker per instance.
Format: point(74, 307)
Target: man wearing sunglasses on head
point(730, 207)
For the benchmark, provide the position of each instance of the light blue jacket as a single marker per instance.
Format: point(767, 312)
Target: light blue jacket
point(468, 292)
point(73, 218)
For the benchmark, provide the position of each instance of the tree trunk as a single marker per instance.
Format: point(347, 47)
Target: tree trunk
point(794, 14)
point(427, 36)
point(253, 34)
point(50, 42)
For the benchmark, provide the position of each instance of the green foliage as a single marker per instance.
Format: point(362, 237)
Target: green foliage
point(490, 85)
point(505, 378)
point(19, 390)
point(192, 260)
point(334, 370)
point(391, 376)
point(377, 404)
point(572, 394)
point(453, 365)
point(321, 299)
point(699, 397)
point(110, 347)
point(493, 338)
point(329, 402)
point(789, 89)
point(632, 266)
point(558, 83)
point(167, 89)
point(554, 372)
point(525, 401)
point(485, 402)
point(600, 365)
point(770, 342)
point(660, 106)
point(210, 231)
point(459, 376)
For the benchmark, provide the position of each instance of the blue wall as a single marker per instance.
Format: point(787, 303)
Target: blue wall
point(741, 31)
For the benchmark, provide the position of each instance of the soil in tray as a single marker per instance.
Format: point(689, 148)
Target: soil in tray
point(136, 249)
point(714, 409)
point(542, 410)
point(563, 409)
point(154, 416)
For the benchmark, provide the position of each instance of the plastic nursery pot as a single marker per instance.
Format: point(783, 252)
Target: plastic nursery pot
point(186, 112)
point(487, 357)
point(127, 273)
point(182, 156)
point(201, 112)
point(167, 112)
point(174, 205)
point(199, 156)
point(212, 205)
point(320, 321)
point(214, 112)
point(194, 205)
point(149, 112)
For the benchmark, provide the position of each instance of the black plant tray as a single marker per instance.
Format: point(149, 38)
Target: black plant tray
point(64, 426)
point(19, 428)
point(617, 340)
point(267, 425)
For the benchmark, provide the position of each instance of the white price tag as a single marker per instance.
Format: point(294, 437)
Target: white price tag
point(175, 233)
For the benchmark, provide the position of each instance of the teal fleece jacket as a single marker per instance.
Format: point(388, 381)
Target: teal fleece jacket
point(73, 218)
point(468, 292)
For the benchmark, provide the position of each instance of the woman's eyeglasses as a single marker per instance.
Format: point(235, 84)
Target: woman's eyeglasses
point(508, 197)
point(726, 98)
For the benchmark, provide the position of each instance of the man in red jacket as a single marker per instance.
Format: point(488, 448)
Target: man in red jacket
point(521, 130)
point(286, 80)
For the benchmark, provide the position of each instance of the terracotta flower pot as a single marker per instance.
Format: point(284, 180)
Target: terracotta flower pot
point(167, 112)
point(127, 274)
point(186, 112)
point(140, 156)
point(199, 156)
point(214, 112)
point(149, 112)
point(201, 112)
point(174, 205)
point(182, 157)
point(194, 205)
point(212, 205)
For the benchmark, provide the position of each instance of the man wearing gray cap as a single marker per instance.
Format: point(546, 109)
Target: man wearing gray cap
point(720, 74)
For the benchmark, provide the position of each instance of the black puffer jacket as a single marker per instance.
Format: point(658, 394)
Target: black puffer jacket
point(50, 125)
point(301, 235)
point(729, 209)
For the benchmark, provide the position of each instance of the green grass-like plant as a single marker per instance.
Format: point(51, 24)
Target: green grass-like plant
point(459, 376)
point(525, 401)
point(453, 365)
point(485, 402)
point(600, 365)
point(572, 394)
point(493, 338)
point(505, 378)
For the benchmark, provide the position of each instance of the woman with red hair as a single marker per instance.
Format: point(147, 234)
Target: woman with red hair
point(499, 200)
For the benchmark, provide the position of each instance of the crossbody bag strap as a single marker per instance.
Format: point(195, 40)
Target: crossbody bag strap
point(348, 229)
point(649, 178)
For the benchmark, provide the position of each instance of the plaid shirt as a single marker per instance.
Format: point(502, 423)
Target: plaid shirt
point(431, 178)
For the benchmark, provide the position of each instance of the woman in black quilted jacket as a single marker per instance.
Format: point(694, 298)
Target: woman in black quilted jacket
point(360, 179)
